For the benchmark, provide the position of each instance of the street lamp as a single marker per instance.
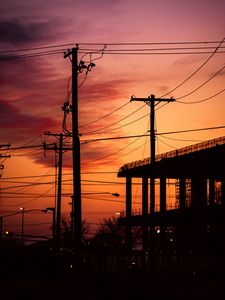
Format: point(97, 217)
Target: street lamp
point(53, 219)
point(22, 233)
point(92, 193)
point(22, 210)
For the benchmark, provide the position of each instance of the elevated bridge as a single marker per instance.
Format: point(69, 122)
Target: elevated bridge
point(204, 159)
point(199, 173)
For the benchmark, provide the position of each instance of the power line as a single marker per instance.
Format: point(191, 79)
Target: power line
point(36, 198)
point(27, 147)
point(166, 143)
point(182, 51)
point(65, 174)
point(37, 54)
point(108, 52)
point(191, 130)
point(181, 140)
point(161, 53)
point(128, 153)
point(30, 153)
point(119, 127)
point(204, 83)
point(99, 130)
point(112, 44)
point(197, 70)
point(203, 100)
point(116, 152)
point(120, 107)
point(161, 133)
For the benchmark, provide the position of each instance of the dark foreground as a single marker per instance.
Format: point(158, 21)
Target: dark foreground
point(39, 276)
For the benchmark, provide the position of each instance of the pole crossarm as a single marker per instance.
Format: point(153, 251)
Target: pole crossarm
point(55, 147)
point(133, 98)
point(151, 102)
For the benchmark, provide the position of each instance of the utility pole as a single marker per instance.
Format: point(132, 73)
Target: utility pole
point(3, 156)
point(58, 227)
point(151, 102)
point(77, 218)
point(59, 192)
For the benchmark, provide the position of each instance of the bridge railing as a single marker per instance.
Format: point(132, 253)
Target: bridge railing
point(174, 153)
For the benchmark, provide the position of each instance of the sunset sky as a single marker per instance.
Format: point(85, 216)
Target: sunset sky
point(168, 48)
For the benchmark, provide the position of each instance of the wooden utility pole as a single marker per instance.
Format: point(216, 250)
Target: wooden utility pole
point(59, 192)
point(59, 195)
point(4, 156)
point(151, 102)
point(77, 214)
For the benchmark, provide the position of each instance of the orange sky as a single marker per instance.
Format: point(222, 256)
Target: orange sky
point(33, 90)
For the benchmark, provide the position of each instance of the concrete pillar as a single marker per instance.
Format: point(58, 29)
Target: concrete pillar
point(211, 192)
point(152, 196)
point(145, 213)
point(182, 193)
point(128, 196)
point(162, 210)
point(198, 217)
point(198, 192)
point(128, 211)
point(223, 192)
point(162, 194)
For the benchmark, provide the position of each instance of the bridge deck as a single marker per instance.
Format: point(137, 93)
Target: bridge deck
point(206, 159)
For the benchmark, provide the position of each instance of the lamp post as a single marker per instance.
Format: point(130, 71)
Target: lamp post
point(22, 211)
point(85, 193)
point(92, 193)
point(22, 229)
point(53, 220)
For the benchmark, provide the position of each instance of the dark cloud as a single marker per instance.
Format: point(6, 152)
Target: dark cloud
point(99, 98)
point(105, 90)
point(34, 90)
point(18, 126)
point(20, 33)
point(33, 84)
point(91, 155)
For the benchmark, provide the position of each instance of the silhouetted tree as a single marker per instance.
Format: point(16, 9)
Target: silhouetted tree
point(66, 228)
point(112, 236)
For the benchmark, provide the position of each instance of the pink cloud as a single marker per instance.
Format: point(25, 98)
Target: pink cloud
point(17, 126)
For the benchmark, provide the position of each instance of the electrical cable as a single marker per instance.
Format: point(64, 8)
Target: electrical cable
point(200, 86)
point(113, 129)
point(87, 162)
point(125, 154)
point(203, 100)
point(181, 140)
point(196, 71)
point(120, 107)
point(119, 127)
point(34, 199)
point(97, 131)
point(111, 44)
point(166, 143)
point(107, 52)
point(161, 133)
